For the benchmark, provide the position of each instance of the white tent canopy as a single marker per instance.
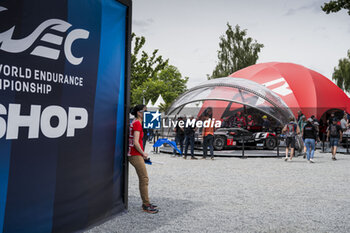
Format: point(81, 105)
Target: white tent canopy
point(155, 106)
point(159, 101)
point(149, 104)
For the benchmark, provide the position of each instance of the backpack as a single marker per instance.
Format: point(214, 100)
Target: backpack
point(333, 130)
point(291, 129)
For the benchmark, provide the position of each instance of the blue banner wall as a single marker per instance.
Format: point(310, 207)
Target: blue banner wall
point(63, 95)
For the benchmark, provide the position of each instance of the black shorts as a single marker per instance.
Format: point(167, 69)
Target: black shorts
point(290, 141)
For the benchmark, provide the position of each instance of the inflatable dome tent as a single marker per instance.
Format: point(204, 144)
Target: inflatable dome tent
point(299, 87)
point(222, 93)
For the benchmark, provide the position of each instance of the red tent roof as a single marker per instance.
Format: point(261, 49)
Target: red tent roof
point(300, 88)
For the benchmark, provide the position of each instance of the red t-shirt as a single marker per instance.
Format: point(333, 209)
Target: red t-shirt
point(240, 120)
point(135, 126)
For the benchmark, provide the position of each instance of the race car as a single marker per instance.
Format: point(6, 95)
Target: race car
point(233, 137)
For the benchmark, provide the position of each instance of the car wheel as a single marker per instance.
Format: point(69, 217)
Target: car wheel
point(219, 143)
point(271, 143)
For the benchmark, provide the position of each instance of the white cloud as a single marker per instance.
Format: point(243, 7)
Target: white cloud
point(142, 25)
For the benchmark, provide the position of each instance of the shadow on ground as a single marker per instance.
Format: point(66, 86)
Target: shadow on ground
point(135, 220)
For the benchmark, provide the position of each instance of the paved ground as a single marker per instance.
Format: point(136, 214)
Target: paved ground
point(241, 195)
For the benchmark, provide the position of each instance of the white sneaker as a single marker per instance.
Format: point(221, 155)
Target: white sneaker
point(285, 159)
point(312, 161)
point(289, 159)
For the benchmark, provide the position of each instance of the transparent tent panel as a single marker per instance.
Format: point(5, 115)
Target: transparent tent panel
point(236, 90)
point(240, 83)
point(254, 102)
point(248, 85)
point(191, 97)
point(226, 96)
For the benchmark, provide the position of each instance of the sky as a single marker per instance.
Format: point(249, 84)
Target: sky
point(188, 31)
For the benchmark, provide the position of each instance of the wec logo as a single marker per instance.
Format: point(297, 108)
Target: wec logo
point(279, 86)
point(10, 45)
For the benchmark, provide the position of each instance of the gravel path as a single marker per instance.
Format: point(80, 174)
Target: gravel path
point(240, 195)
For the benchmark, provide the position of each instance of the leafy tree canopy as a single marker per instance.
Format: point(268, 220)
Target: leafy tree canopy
point(236, 52)
point(341, 73)
point(152, 76)
point(144, 66)
point(337, 5)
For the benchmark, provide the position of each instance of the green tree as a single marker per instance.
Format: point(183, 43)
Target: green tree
point(152, 76)
point(175, 85)
point(143, 66)
point(237, 51)
point(168, 83)
point(341, 73)
point(335, 6)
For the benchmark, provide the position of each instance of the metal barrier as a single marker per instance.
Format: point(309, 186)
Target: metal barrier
point(244, 147)
point(243, 157)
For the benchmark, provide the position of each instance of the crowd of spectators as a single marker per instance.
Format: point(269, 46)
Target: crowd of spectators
point(311, 133)
point(310, 129)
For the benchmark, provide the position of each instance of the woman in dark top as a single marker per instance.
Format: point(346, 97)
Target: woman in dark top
point(309, 135)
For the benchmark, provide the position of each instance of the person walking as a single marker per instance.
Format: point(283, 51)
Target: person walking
point(189, 137)
point(301, 124)
point(180, 135)
point(208, 138)
point(291, 130)
point(137, 156)
point(309, 134)
point(334, 135)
